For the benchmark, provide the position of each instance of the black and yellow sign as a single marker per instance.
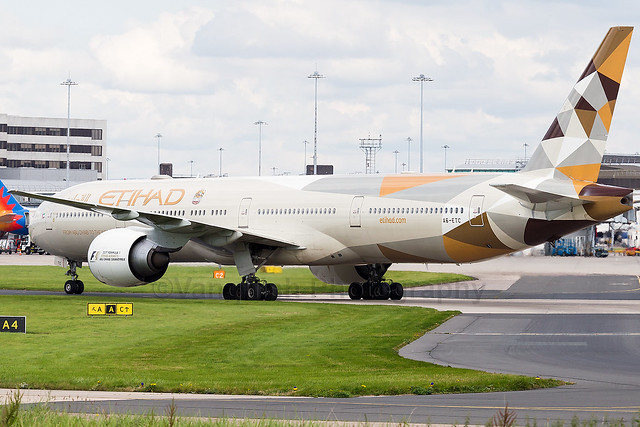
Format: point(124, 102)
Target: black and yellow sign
point(13, 324)
point(107, 309)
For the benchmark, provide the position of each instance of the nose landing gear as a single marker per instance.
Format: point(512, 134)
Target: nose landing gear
point(73, 286)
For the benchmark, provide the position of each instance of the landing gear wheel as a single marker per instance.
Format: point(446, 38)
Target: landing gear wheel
point(242, 291)
point(254, 291)
point(270, 292)
point(70, 287)
point(73, 287)
point(355, 291)
point(381, 291)
point(79, 287)
point(229, 291)
point(396, 291)
point(367, 291)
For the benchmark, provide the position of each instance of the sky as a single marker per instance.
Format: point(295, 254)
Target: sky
point(201, 73)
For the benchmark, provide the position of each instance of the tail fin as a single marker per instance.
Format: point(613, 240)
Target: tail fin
point(12, 214)
point(575, 142)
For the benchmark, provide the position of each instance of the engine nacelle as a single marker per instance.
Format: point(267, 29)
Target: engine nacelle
point(347, 274)
point(123, 257)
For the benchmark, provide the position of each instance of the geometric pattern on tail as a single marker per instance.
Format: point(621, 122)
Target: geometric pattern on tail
point(575, 141)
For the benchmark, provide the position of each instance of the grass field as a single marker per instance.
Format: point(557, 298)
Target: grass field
point(198, 279)
point(214, 346)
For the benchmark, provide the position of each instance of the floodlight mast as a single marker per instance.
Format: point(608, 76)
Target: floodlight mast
point(445, 147)
point(409, 140)
point(421, 78)
point(315, 76)
point(395, 153)
point(220, 169)
point(158, 136)
point(260, 123)
point(68, 83)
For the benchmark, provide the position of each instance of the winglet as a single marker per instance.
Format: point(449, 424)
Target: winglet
point(575, 142)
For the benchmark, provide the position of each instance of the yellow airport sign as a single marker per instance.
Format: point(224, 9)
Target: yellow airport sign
point(110, 309)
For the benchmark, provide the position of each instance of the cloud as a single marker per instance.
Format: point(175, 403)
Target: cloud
point(156, 57)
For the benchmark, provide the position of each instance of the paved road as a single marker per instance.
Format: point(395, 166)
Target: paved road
point(579, 327)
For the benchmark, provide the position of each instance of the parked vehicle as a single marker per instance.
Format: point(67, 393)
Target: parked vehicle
point(601, 253)
point(8, 246)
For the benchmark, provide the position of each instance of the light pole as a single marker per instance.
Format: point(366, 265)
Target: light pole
point(107, 164)
point(395, 154)
point(68, 83)
point(403, 165)
point(421, 78)
point(525, 145)
point(260, 123)
point(315, 76)
point(409, 153)
point(445, 147)
point(274, 169)
point(158, 135)
point(304, 170)
point(191, 170)
point(220, 150)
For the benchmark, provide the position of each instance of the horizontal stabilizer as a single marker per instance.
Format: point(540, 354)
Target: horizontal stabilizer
point(536, 196)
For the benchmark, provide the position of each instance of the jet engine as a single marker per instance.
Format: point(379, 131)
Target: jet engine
point(347, 274)
point(123, 257)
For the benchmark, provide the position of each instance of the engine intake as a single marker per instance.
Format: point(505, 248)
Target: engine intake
point(123, 257)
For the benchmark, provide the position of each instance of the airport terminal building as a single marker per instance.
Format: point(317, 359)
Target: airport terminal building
point(33, 152)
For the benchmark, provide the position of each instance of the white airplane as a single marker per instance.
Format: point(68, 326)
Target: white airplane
point(347, 229)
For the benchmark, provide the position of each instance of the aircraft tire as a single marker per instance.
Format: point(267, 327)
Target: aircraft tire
point(229, 291)
point(367, 291)
point(241, 291)
point(69, 287)
point(396, 291)
point(270, 292)
point(254, 292)
point(355, 291)
point(79, 287)
point(381, 291)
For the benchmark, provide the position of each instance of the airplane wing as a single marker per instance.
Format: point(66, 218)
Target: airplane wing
point(167, 223)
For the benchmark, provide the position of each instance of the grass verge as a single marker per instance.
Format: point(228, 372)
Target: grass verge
point(198, 279)
point(235, 347)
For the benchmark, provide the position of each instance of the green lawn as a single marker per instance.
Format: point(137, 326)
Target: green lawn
point(198, 279)
point(213, 346)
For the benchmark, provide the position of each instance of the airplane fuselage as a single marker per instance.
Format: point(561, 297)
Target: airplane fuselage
point(329, 220)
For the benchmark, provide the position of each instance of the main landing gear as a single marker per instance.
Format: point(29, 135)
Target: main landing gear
point(376, 287)
point(251, 288)
point(73, 286)
point(378, 290)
